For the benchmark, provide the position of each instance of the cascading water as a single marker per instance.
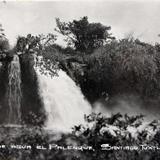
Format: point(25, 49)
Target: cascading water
point(14, 91)
point(63, 101)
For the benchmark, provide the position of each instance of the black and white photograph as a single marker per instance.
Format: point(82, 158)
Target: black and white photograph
point(80, 80)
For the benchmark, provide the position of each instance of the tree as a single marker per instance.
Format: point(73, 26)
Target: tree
point(32, 44)
point(40, 45)
point(4, 44)
point(82, 35)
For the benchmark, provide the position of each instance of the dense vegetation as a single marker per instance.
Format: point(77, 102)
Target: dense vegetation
point(126, 66)
point(82, 35)
point(114, 67)
point(104, 68)
point(94, 141)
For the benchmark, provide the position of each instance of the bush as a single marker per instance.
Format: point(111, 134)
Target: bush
point(125, 66)
point(99, 132)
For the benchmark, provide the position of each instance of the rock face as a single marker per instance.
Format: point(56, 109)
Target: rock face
point(32, 110)
point(32, 105)
point(3, 91)
point(73, 68)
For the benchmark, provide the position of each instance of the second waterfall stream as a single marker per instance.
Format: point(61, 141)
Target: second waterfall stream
point(63, 101)
point(14, 92)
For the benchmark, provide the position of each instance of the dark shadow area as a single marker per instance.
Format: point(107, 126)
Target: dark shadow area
point(3, 89)
point(32, 106)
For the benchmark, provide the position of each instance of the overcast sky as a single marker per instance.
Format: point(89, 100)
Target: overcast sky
point(140, 18)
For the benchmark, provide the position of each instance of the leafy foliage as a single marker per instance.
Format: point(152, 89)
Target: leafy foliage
point(32, 44)
point(125, 66)
point(99, 133)
point(38, 46)
point(4, 44)
point(84, 36)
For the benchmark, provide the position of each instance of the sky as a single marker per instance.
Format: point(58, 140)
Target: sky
point(139, 18)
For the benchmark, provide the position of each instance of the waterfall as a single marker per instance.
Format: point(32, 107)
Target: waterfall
point(14, 91)
point(63, 101)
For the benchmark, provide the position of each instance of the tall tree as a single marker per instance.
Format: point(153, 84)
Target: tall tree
point(82, 35)
point(4, 44)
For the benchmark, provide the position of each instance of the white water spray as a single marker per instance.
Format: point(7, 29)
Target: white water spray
point(63, 100)
point(14, 91)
